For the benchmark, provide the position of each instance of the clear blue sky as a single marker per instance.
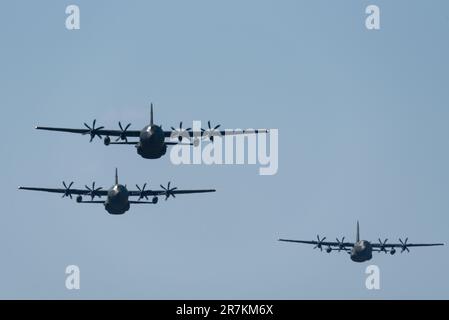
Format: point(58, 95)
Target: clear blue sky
point(363, 119)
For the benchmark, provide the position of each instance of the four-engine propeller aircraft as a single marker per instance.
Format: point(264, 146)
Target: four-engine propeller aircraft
point(117, 198)
point(362, 250)
point(152, 142)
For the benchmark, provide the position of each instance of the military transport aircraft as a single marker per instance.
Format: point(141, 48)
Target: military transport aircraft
point(117, 198)
point(152, 142)
point(362, 250)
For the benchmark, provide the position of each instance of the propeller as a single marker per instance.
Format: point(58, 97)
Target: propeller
point(93, 132)
point(169, 191)
point(404, 245)
point(341, 244)
point(142, 194)
point(122, 135)
point(211, 132)
point(67, 190)
point(383, 245)
point(93, 192)
point(181, 133)
point(319, 245)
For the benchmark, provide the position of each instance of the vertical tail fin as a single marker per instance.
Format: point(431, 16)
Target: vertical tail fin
point(358, 232)
point(151, 116)
point(116, 176)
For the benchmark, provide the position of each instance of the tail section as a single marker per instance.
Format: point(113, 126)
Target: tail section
point(358, 232)
point(116, 176)
point(151, 116)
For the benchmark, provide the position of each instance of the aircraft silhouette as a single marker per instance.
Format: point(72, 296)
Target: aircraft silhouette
point(152, 142)
point(362, 250)
point(117, 197)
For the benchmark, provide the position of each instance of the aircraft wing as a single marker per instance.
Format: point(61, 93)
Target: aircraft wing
point(66, 192)
point(406, 245)
point(93, 202)
point(95, 131)
point(155, 193)
point(101, 132)
point(199, 134)
point(336, 245)
point(161, 192)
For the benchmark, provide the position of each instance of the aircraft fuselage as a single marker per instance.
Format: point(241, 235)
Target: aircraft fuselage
point(151, 142)
point(117, 200)
point(362, 251)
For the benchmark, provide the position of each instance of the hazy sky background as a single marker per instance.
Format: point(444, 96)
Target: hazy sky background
point(363, 121)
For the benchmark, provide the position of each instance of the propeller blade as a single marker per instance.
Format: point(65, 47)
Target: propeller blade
point(142, 190)
point(67, 190)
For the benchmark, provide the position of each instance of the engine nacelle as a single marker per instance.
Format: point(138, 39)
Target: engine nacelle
point(329, 250)
point(107, 141)
point(79, 199)
point(155, 200)
point(393, 252)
